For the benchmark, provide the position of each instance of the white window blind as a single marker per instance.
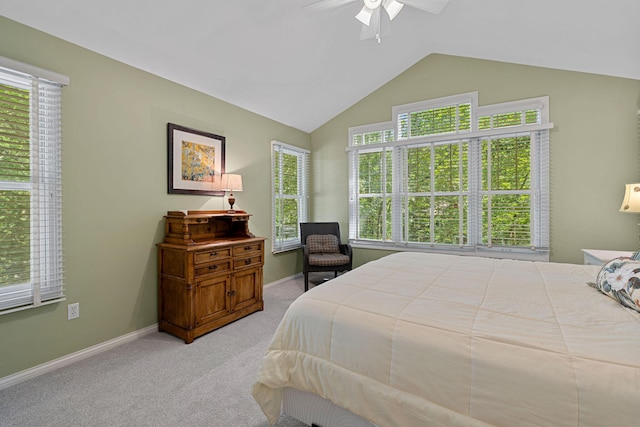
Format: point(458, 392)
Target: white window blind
point(30, 187)
point(290, 194)
point(458, 178)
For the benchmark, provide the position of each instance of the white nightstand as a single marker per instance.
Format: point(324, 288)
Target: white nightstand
point(601, 257)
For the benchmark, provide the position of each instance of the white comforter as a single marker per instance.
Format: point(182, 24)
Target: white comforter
point(424, 340)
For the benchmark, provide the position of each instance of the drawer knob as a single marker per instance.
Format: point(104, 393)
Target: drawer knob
point(247, 248)
point(213, 267)
point(247, 261)
point(213, 254)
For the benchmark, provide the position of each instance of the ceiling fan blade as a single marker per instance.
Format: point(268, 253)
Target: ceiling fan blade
point(319, 5)
point(392, 7)
point(373, 29)
point(431, 6)
point(365, 15)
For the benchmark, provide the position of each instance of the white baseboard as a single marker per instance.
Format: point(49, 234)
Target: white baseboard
point(44, 368)
point(286, 279)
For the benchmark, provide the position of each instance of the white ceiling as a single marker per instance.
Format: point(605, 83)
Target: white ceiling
point(302, 67)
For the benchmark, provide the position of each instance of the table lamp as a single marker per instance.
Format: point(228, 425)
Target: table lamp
point(631, 203)
point(231, 182)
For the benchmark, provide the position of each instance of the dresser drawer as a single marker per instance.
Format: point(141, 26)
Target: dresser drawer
point(247, 249)
point(212, 255)
point(213, 268)
point(248, 261)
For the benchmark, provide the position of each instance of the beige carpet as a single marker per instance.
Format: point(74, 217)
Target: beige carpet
point(158, 380)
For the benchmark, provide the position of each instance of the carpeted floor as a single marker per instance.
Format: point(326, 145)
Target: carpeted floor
point(158, 380)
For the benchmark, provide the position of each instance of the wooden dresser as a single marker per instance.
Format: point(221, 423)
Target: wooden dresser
point(210, 272)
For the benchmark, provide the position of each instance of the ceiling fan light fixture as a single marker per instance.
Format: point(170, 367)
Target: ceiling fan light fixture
point(372, 4)
point(364, 15)
point(392, 7)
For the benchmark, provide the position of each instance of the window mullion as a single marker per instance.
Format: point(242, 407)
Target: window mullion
point(489, 192)
point(432, 189)
point(274, 191)
point(474, 198)
point(36, 239)
point(461, 184)
point(398, 210)
point(381, 194)
point(404, 194)
point(280, 196)
point(354, 199)
point(536, 202)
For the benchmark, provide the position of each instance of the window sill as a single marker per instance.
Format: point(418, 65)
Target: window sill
point(30, 306)
point(285, 250)
point(486, 252)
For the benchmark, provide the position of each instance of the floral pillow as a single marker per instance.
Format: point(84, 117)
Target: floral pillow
point(620, 279)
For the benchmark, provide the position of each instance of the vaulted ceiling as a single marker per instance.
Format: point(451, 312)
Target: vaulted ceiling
point(302, 67)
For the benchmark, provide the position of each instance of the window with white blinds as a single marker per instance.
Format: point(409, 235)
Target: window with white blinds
point(457, 178)
point(290, 194)
point(30, 186)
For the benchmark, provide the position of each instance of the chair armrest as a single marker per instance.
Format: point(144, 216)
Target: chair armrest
point(345, 248)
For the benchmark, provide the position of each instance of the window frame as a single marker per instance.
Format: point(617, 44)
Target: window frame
point(46, 282)
point(473, 135)
point(354, 195)
point(280, 244)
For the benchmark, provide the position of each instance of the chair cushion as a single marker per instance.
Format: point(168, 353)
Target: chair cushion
point(322, 243)
point(328, 260)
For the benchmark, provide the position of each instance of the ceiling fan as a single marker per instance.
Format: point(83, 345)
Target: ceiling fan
point(370, 13)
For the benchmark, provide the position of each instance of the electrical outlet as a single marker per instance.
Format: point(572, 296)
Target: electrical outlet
point(73, 311)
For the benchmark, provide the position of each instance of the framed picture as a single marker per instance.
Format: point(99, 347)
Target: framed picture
point(196, 161)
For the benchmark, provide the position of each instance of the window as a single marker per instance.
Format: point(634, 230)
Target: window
point(289, 183)
point(30, 186)
point(456, 178)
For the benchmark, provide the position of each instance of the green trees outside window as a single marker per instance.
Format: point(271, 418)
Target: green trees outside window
point(15, 161)
point(286, 178)
point(506, 201)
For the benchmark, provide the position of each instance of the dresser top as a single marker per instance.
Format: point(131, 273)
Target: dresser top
point(207, 214)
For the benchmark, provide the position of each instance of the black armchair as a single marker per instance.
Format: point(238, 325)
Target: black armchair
point(322, 249)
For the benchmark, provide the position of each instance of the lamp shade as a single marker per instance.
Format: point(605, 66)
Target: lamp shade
point(631, 202)
point(231, 182)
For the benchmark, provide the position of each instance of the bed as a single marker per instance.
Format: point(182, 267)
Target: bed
point(416, 339)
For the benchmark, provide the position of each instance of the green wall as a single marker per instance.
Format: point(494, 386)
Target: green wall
point(115, 192)
point(594, 144)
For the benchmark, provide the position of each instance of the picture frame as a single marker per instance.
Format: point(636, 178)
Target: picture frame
point(196, 159)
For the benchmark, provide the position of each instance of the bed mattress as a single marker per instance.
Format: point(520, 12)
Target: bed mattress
point(416, 339)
